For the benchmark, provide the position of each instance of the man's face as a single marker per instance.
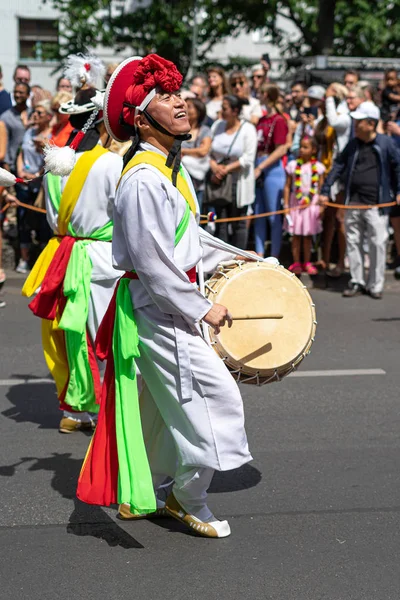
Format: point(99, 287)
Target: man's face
point(364, 128)
point(298, 95)
point(20, 94)
point(257, 78)
point(353, 101)
point(22, 76)
point(170, 110)
point(350, 81)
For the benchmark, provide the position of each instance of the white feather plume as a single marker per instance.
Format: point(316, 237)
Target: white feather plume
point(84, 68)
point(7, 179)
point(59, 161)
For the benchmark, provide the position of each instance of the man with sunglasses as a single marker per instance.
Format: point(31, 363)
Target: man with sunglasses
point(258, 77)
point(239, 83)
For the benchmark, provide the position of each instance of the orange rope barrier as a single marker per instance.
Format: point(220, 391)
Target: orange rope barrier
point(30, 207)
point(284, 211)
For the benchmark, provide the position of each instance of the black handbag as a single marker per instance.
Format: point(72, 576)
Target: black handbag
point(218, 193)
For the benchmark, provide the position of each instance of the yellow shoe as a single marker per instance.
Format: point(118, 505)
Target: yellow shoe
point(125, 514)
point(214, 529)
point(68, 425)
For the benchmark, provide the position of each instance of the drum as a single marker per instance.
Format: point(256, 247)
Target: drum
point(273, 320)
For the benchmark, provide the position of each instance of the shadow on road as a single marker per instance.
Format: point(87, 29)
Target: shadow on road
point(233, 481)
point(386, 319)
point(321, 281)
point(37, 403)
point(33, 403)
point(85, 520)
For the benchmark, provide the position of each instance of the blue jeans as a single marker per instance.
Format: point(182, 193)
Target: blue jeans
point(200, 195)
point(268, 199)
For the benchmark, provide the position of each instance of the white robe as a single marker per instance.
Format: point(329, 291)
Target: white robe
point(192, 411)
point(93, 210)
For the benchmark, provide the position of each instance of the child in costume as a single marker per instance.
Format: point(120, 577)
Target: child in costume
point(303, 183)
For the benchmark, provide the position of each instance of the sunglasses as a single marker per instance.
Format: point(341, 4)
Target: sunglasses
point(38, 113)
point(257, 76)
point(235, 83)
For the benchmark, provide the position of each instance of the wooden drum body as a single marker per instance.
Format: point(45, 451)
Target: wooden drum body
point(274, 320)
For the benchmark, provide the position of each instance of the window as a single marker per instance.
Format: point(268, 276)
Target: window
point(38, 39)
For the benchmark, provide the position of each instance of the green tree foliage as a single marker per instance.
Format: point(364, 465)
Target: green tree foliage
point(340, 27)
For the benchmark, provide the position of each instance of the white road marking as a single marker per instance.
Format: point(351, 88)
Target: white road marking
point(337, 373)
point(12, 382)
point(322, 373)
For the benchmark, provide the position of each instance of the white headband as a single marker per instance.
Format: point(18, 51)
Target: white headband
point(146, 101)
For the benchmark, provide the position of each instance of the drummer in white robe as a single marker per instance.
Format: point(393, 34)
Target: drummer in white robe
point(191, 408)
point(79, 208)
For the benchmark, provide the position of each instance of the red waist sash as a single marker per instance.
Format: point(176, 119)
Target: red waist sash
point(44, 305)
point(105, 332)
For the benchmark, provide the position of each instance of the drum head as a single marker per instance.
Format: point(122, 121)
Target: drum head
point(264, 346)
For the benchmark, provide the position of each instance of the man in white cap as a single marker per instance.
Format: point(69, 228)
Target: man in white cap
point(190, 419)
point(371, 163)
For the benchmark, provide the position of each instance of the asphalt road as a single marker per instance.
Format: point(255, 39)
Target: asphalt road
point(315, 516)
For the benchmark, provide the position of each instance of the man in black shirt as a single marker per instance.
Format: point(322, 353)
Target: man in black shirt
point(364, 184)
point(372, 166)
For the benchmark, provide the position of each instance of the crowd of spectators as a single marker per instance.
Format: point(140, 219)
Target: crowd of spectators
point(29, 118)
point(255, 148)
point(308, 150)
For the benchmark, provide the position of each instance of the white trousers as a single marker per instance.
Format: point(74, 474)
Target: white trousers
point(190, 489)
point(374, 227)
point(187, 439)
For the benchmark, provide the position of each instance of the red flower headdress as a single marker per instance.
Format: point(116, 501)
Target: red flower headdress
point(152, 72)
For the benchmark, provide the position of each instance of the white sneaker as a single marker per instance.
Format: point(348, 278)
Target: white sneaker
point(2, 304)
point(22, 267)
point(210, 529)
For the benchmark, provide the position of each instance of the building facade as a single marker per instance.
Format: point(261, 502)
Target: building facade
point(30, 31)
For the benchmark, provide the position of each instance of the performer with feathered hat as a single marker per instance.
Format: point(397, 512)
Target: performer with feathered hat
point(189, 421)
point(74, 273)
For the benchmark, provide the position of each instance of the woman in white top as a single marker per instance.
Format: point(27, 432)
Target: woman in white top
point(218, 85)
point(338, 117)
point(234, 142)
point(196, 151)
point(337, 114)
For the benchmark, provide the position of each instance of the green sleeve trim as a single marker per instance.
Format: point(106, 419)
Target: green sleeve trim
point(183, 225)
point(54, 190)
